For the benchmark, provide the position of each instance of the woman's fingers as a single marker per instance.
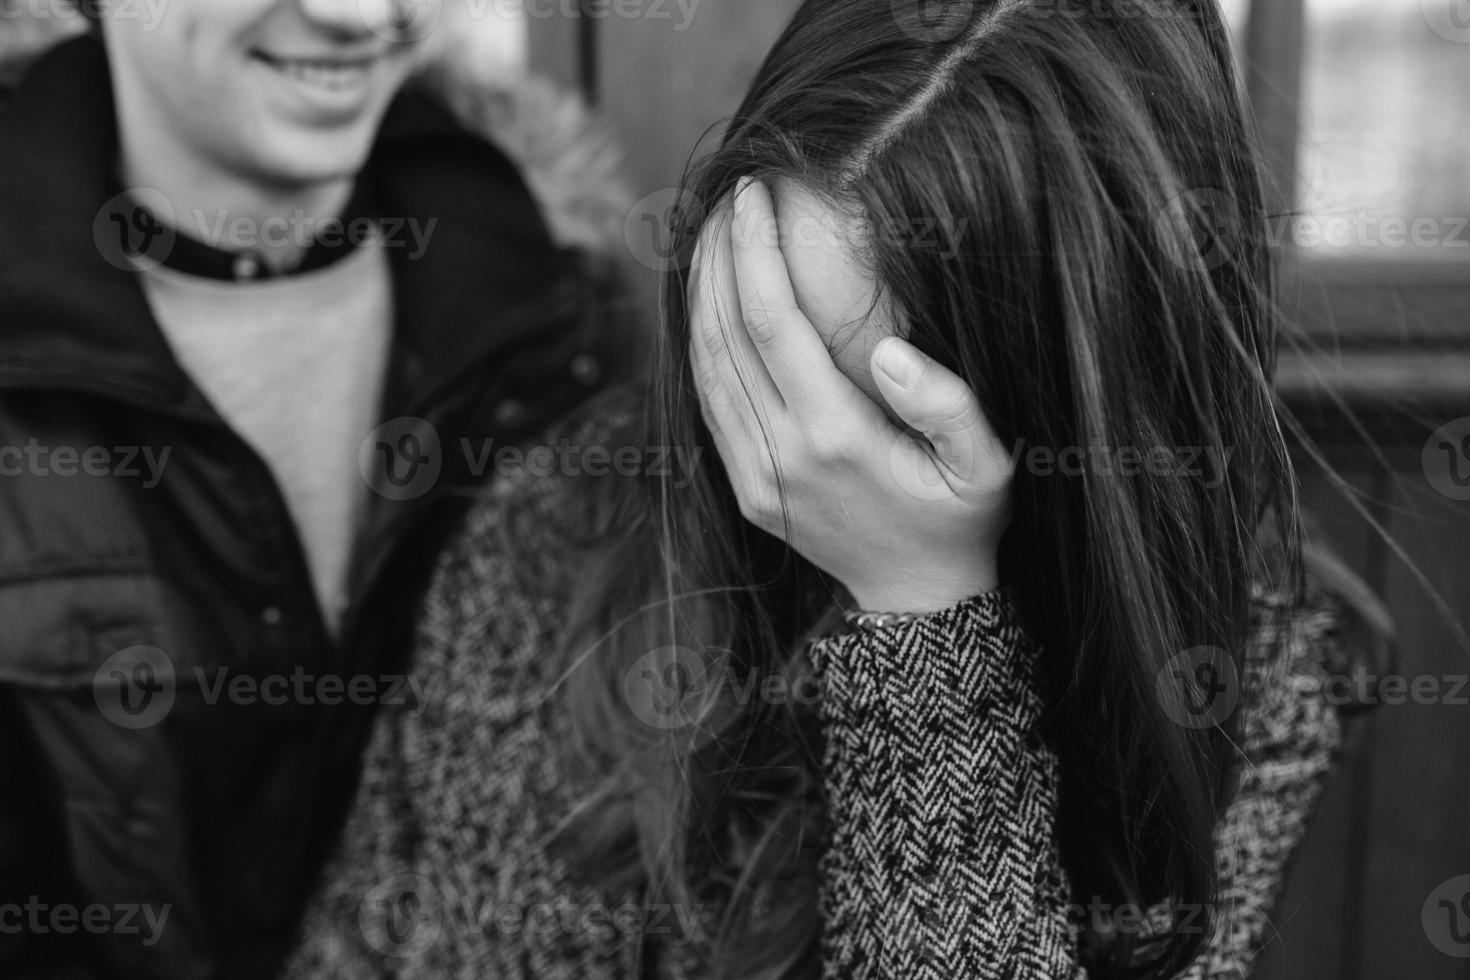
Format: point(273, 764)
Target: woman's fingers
point(793, 353)
point(717, 313)
point(736, 396)
point(940, 405)
point(733, 382)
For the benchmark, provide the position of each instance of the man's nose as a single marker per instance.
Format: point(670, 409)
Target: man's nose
point(355, 18)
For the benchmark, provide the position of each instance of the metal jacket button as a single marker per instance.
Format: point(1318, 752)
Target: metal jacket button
point(586, 369)
point(510, 413)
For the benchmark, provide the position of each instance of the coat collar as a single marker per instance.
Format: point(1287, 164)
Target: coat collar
point(70, 316)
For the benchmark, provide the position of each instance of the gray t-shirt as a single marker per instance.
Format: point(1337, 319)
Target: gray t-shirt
point(296, 365)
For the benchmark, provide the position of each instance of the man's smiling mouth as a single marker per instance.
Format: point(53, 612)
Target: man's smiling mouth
point(329, 74)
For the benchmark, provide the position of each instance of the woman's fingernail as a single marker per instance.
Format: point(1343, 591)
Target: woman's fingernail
point(900, 362)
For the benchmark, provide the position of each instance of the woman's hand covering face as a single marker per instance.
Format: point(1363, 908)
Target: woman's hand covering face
point(907, 519)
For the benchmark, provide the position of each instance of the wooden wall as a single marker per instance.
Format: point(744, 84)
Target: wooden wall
point(663, 82)
point(1396, 819)
point(1393, 824)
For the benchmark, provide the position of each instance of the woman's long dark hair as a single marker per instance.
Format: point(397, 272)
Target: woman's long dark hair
point(1064, 205)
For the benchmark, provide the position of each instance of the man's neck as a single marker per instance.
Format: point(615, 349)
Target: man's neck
point(230, 211)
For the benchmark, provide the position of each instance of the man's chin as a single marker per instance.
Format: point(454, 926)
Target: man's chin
point(298, 158)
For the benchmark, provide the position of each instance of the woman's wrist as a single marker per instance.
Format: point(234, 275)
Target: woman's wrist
point(919, 597)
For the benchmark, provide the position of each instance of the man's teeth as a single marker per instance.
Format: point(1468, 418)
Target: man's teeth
point(325, 74)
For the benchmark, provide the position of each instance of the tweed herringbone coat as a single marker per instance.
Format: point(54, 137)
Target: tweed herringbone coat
point(940, 856)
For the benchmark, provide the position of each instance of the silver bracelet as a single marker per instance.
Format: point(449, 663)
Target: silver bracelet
point(878, 621)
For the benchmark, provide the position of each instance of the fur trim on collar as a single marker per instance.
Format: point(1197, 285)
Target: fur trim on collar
point(24, 37)
point(568, 156)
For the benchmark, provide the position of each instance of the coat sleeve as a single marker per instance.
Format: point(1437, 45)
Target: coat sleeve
point(941, 859)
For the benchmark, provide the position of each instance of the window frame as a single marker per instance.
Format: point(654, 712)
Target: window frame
point(1386, 335)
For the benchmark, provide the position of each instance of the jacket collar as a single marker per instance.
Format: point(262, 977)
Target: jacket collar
point(70, 316)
